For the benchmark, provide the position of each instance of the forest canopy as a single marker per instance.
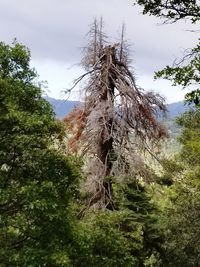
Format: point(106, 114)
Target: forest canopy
point(99, 188)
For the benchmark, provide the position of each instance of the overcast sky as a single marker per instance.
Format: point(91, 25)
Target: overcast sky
point(55, 30)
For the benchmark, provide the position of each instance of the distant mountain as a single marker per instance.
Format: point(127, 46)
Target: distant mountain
point(175, 109)
point(63, 107)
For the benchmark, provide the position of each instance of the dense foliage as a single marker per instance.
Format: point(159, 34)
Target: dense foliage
point(182, 246)
point(36, 181)
point(41, 201)
point(181, 201)
point(127, 236)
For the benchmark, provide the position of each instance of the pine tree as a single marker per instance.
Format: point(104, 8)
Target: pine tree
point(117, 120)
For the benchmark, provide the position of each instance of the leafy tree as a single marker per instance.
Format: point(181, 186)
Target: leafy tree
point(36, 180)
point(181, 213)
point(172, 10)
point(186, 72)
point(140, 222)
point(127, 236)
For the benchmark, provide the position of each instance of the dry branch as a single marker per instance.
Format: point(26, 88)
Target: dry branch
point(117, 119)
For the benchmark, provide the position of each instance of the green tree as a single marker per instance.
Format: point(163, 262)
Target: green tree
point(127, 236)
point(181, 214)
point(186, 72)
point(36, 180)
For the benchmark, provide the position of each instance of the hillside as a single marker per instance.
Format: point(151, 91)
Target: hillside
point(175, 109)
point(61, 107)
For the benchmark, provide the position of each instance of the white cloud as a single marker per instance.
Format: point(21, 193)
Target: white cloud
point(54, 31)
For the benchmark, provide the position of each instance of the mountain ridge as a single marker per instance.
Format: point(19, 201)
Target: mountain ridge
point(63, 107)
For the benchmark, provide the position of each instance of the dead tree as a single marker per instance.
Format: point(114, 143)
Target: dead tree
point(117, 119)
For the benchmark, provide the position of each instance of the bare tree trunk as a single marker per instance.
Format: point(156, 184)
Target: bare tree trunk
point(118, 118)
point(105, 144)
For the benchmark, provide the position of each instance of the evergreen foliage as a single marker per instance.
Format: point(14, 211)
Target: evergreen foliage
point(127, 236)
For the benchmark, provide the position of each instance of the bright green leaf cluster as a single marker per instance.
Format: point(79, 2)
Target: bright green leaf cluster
point(36, 181)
